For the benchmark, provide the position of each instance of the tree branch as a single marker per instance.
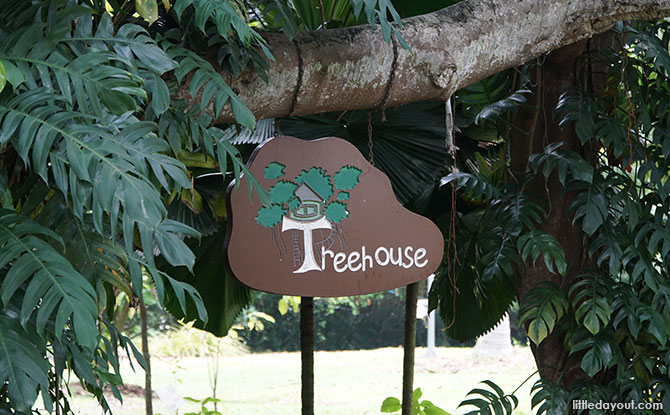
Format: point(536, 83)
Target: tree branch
point(349, 68)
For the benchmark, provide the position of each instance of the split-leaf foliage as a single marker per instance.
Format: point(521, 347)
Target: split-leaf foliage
point(108, 180)
point(613, 315)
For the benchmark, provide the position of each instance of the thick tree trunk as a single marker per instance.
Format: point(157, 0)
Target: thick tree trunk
point(411, 297)
point(537, 126)
point(307, 354)
point(352, 68)
point(148, 393)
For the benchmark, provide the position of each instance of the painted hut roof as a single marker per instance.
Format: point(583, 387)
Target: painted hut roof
point(306, 193)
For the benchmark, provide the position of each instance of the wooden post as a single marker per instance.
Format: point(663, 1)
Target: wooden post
point(411, 296)
point(307, 354)
point(148, 393)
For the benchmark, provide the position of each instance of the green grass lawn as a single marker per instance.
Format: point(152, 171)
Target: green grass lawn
point(347, 382)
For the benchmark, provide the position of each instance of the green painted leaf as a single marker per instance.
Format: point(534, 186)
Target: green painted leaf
point(347, 177)
point(318, 180)
point(293, 203)
point(343, 196)
point(274, 170)
point(269, 216)
point(282, 192)
point(336, 212)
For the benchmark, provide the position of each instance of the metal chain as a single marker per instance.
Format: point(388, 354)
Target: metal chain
point(371, 155)
point(387, 91)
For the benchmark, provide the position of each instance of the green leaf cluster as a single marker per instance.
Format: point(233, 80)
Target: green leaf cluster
point(97, 182)
point(496, 237)
point(419, 407)
point(283, 199)
point(609, 306)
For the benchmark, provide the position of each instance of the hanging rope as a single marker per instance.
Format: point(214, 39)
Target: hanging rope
point(387, 92)
point(394, 65)
point(298, 83)
point(450, 143)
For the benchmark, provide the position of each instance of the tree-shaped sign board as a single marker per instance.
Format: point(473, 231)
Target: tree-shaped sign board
point(331, 226)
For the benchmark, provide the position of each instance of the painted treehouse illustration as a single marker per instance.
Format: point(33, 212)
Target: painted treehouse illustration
point(312, 205)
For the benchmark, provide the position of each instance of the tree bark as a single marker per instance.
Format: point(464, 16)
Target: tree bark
point(307, 354)
point(411, 297)
point(536, 127)
point(148, 392)
point(353, 68)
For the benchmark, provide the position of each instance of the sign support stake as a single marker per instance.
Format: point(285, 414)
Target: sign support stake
point(307, 354)
point(411, 297)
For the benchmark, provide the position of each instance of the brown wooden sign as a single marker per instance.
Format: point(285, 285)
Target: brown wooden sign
point(333, 227)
